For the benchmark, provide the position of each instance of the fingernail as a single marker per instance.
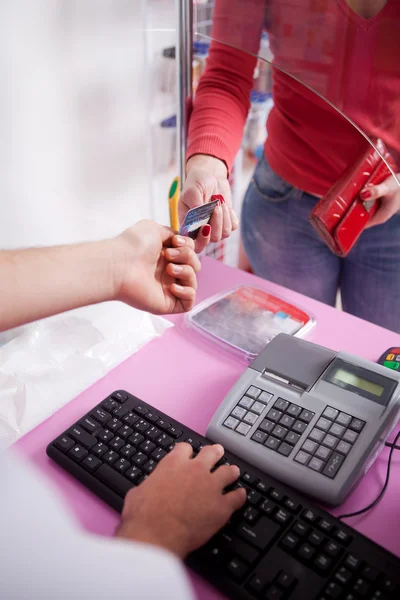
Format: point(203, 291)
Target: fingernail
point(206, 230)
point(366, 194)
point(173, 253)
point(179, 288)
point(177, 269)
point(180, 240)
point(219, 448)
point(218, 197)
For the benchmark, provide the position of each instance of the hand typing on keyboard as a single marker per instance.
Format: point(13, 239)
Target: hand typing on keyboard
point(182, 505)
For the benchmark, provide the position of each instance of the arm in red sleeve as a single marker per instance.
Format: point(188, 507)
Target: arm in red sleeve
point(222, 99)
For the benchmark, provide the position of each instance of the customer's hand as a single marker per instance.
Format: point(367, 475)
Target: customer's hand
point(155, 269)
point(181, 505)
point(205, 177)
point(388, 193)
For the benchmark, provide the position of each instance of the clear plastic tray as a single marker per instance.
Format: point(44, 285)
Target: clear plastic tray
point(245, 319)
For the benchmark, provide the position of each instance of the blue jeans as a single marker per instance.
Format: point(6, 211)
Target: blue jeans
point(283, 247)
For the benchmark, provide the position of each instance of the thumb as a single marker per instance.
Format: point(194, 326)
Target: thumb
point(374, 192)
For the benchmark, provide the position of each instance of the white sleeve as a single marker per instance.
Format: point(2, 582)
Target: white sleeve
point(44, 554)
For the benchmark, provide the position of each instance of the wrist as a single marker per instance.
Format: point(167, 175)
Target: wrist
point(122, 259)
point(166, 537)
point(212, 164)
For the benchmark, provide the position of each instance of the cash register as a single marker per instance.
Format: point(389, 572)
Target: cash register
point(311, 417)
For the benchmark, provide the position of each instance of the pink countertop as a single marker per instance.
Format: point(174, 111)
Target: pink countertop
point(188, 378)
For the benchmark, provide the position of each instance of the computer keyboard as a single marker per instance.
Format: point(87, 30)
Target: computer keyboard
point(279, 546)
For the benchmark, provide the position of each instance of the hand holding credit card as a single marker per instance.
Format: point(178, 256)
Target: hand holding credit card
point(199, 216)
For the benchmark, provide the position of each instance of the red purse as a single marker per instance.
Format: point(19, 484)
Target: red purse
point(341, 215)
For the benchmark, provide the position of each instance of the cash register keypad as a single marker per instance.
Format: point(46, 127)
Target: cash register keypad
point(329, 442)
point(280, 426)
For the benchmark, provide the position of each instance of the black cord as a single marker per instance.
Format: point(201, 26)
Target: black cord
point(383, 490)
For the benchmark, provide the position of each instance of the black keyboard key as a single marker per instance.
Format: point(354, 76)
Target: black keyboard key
point(267, 507)
point(91, 463)
point(153, 433)
point(285, 581)
point(114, 424)
point(164, 440)
point(357, 425)
point(174, 432)
point(333, 465)
point(370, 573)
point(300, 529)
point(259, 437)
point(239, 548)
point(151, 417)
point(279, 432)
point(249, 478)
point(109, 405)
point(122, 465)
point(82, 437)
point(292, 438)
point(323, 563)
point(101, 415)
point(294, 410)
point(332, 548)
point(64, 443)
point(117, 443)
point(267, 426)
point(272, 443)
point(274, 593)
point(306, 552)
point(290, 542)
point(333, 591)
point(104, 435)
point(261, 535)
point(110, 457)
point(257, 584)
point(125, 431)
point(342, 537)
point(141, 410)
point(193, 442)
point(237, 569)
point(362, 588)
point(162, 424)
point(325, 525)
point(388, 585)
point(299, 427)
point(343, 576)
point(120, 397)
point(116, 482)
point(130, 419)
point(251, 515)
point(275, 495)
point(142, 426)
point(136, 439)
point(254, 498)
point(293, 506)
point(133, 474)
point(78, 453)
point(149, 466)
point(89, 424)
point(128, 451)
point(309, 515)
point(316, 538)
point(262, 487)
point(281, 404)
point(282, 516)
point(158, 454)
point(147, 447)
point(139, 459)
point(120, 412)
point(99, 449)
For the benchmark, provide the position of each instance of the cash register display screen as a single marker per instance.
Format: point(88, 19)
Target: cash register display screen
point(347, 378)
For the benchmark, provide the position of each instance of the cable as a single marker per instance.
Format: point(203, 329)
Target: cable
point(392, 445)
point(383, 490)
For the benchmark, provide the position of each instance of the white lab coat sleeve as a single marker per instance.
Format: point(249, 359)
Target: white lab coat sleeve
point(44, 555)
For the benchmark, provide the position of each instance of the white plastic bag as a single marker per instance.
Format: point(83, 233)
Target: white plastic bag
point(50, 362)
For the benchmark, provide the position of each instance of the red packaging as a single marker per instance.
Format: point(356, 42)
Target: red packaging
point(341, 215)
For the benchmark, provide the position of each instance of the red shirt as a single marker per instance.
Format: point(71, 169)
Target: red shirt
point(352, 62)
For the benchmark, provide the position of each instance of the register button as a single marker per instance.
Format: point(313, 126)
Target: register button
point(333, 465)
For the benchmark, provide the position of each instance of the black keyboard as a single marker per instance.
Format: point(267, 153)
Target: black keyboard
point(279, 546)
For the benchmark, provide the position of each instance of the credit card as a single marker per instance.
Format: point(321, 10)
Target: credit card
point(197, 217)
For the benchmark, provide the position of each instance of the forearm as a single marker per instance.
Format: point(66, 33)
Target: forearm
point(41, 282)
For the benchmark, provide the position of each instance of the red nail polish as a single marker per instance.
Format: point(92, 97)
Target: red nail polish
point(206, 230)
point(218, 197)
point(365, 194)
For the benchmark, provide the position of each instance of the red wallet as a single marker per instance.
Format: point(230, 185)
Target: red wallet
point(341, 215)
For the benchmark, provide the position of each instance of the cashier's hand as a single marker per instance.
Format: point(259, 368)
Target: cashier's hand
point(388, 193)
point(181, 505)
point(155, 269)
point(205, 177)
